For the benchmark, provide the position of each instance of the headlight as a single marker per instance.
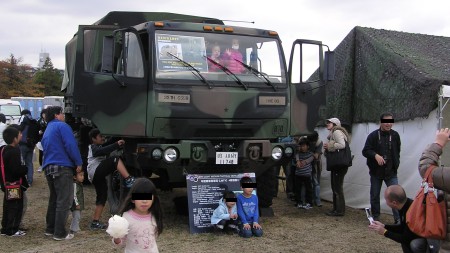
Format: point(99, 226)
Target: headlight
point(289, 151)
point(170, 155)
point(277, 153)
point(157, 154)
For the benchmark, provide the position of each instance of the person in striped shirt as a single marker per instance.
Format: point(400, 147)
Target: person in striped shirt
point(303, 170)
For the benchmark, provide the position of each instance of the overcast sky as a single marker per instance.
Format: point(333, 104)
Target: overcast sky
point(29, 27)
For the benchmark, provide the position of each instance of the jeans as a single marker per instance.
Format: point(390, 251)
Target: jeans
point(76, 217)
point(25, 206)
point(337, 185)
point(375, 189)
point(315, 177)
point(305, 182)
point(422, 245)
point(248, 233)
point(27, 155)
point(60, 185)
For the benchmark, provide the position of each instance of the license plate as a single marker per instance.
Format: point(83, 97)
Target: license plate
point(226, 157)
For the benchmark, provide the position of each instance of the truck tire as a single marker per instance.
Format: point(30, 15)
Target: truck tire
point(266, 187)
point(116, 191)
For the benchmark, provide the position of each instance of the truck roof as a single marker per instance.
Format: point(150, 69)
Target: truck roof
point(130, 18)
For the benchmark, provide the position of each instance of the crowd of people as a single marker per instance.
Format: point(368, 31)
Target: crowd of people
point(382, 152)
point(61, 162)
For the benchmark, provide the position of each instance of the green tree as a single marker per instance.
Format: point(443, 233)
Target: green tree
point(50, 78)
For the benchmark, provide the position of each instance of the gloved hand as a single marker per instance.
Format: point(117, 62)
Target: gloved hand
point(117, 227)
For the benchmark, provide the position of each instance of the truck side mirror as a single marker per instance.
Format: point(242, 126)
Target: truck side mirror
point(107, 54)
point(329, 68)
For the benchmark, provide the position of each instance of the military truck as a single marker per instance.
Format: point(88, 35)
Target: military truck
point(150, 79)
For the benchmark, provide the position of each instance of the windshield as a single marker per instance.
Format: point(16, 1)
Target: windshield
point(218, 59)
point(10, 110)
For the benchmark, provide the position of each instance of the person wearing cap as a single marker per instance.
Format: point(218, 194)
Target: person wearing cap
point(382, 150)
point(336, 140)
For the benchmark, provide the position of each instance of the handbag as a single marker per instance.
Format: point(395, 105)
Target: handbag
point(13, 190)
point(426, 217)
point(340, 158)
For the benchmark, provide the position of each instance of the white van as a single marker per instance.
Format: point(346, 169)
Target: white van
point(11, 109)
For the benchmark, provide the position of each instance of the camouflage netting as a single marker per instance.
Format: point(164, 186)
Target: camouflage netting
point(380, 70)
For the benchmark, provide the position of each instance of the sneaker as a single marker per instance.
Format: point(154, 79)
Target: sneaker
point(18, 233)
point(307, 206)
point(299, 205)
point(39, 169)
point(68, 237)
point(129, 181)
point(48, 234)
point(97, 225)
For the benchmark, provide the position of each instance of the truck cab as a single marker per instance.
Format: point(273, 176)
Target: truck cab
point(190, 94)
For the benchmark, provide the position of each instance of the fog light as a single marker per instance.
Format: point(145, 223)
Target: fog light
point(170, 155)
point(157, 154)
point(288, 151)
point(277, 153)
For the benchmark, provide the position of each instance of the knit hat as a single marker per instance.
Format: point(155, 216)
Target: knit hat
point(336, 121)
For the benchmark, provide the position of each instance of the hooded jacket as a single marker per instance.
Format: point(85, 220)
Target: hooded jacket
point(221, 212)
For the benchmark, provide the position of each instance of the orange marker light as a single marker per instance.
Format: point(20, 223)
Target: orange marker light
point(159, 24)
point(207, 28)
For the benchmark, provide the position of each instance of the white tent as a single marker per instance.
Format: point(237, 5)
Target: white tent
point(415, 136)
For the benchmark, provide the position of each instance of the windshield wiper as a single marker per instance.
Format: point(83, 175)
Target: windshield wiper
point(193, 70)
point(228, 72)
point(257, 74)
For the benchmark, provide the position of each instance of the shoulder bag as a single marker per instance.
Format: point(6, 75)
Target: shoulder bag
point(426, 217)
point(340, 158)
point(13, 190)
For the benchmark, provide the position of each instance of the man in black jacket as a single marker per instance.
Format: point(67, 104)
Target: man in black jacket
point(382, 150)
point(395, 197)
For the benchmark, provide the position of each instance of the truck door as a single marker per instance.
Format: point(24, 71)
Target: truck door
point(110, 80)
point(308, 97)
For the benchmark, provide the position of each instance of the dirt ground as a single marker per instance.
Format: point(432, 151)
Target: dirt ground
point(290, 230)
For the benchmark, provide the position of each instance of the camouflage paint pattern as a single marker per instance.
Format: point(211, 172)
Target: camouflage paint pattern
point(149, 115)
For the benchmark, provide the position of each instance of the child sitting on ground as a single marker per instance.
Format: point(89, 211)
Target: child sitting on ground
point(78, 202)
point(225, 215)
point(247, 209)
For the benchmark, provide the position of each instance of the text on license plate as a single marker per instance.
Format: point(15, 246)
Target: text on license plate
point(226, 157)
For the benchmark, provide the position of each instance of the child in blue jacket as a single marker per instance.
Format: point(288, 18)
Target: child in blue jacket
point(225, 215)
point(247, 209)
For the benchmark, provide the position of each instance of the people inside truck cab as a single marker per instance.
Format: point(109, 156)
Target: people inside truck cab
point(101, 164)
point(215, 56)
point(232, 57)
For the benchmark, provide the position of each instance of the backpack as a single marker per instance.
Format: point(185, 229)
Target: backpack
point(33, 133)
